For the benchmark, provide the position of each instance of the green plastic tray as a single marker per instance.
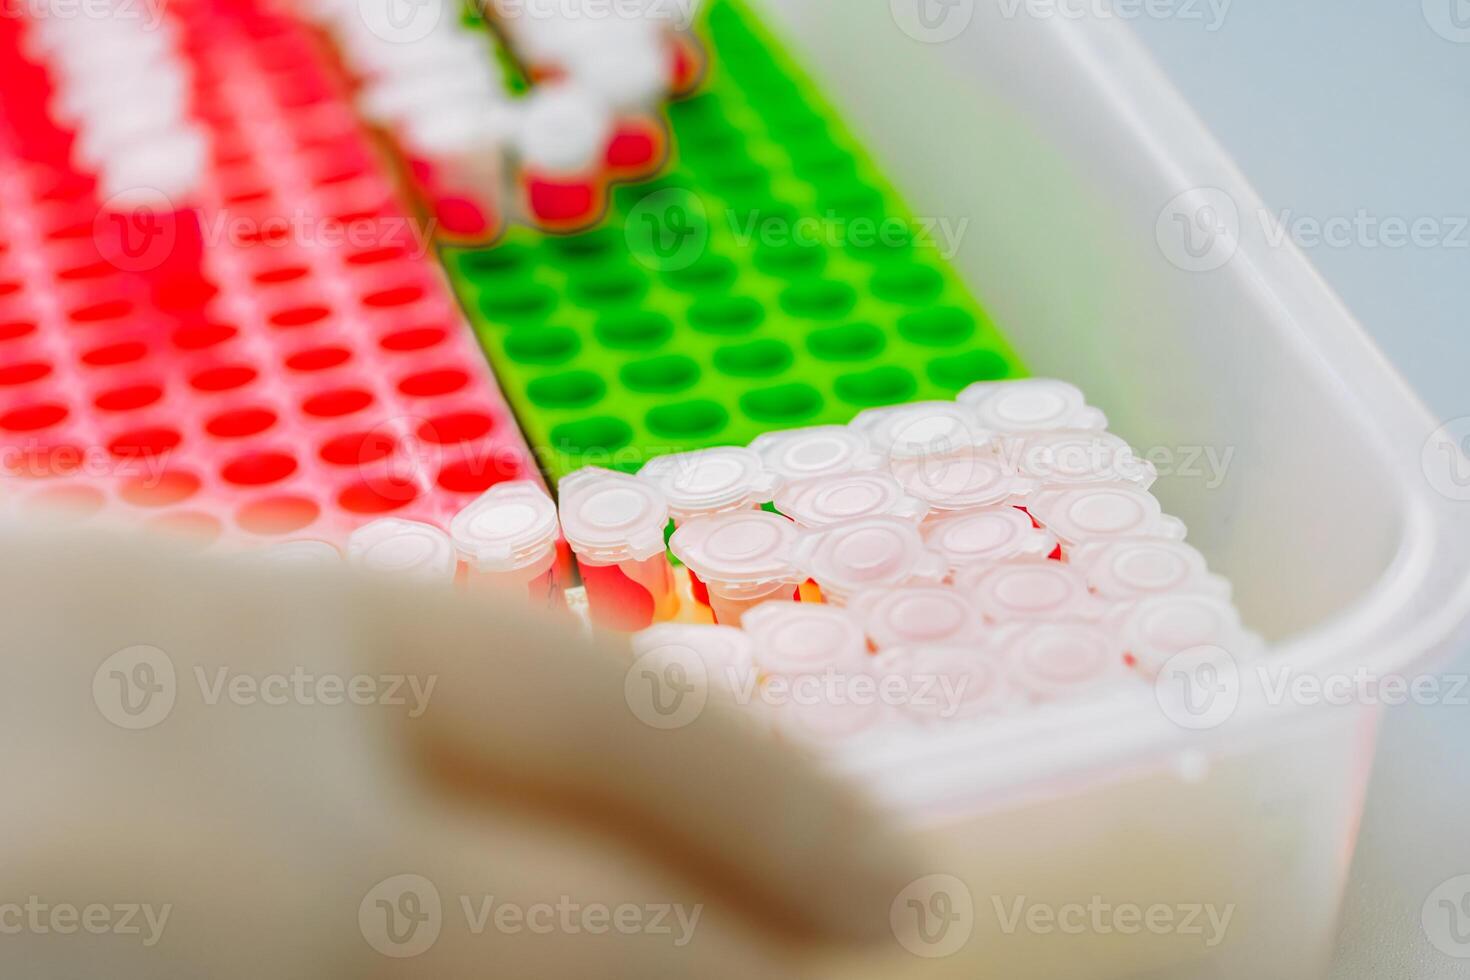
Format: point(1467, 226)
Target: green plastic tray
point(770, 279)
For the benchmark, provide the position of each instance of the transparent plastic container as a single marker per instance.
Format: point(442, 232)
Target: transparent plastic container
point(1335, 517)
point(723, 654)
point(870, 553)
point(795, 638)
point(919, 616)
point(823, 501)
point(988, 535)
point(400, 547)
point(817, 684)
point(1037, 405)
point(1137, 568)
point(1091, 515)
point(710, 481)
point(1080, 458)
point(978, 682)
point(743, 558)
point(962, 480)
point(1051, 661)
point(1155, 629)
point(823, 450)
point(507, 539)
point(615, 524)
point(300, 553)
point(1030, 590)
point(922, 429)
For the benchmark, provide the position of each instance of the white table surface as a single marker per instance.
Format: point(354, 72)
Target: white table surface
point(1359, 111)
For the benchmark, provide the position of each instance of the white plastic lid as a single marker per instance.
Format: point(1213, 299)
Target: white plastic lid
point(511, 526)
point(740, 548)
point(919, 615)
point(798, 638)
point(630, 78)
point(565, 130)
point(962, 480)
point(304, 553)
point(817, 451)
point(826, 500)
point(710, 481)
point(869, 553)
point(946, 683)
point(573, 37)
point(454, 132)
point(1030, 591)
point(399, 546)
point(989, 535)
point(1136, 568)
point(172, 163)
point(922, 429)
point(401, 100)
point(721, 653)
point(1050, 660)
point(1105, 512)
point(87, 102)
point(1079, 457)
point(1156, 629)
point(1031, 405)
point(610, 517)
point(126, 125)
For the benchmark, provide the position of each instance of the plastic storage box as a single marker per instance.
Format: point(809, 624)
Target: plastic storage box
point(1069, 152)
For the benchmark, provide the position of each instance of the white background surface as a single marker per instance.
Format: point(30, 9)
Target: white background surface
point(1356, 112)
